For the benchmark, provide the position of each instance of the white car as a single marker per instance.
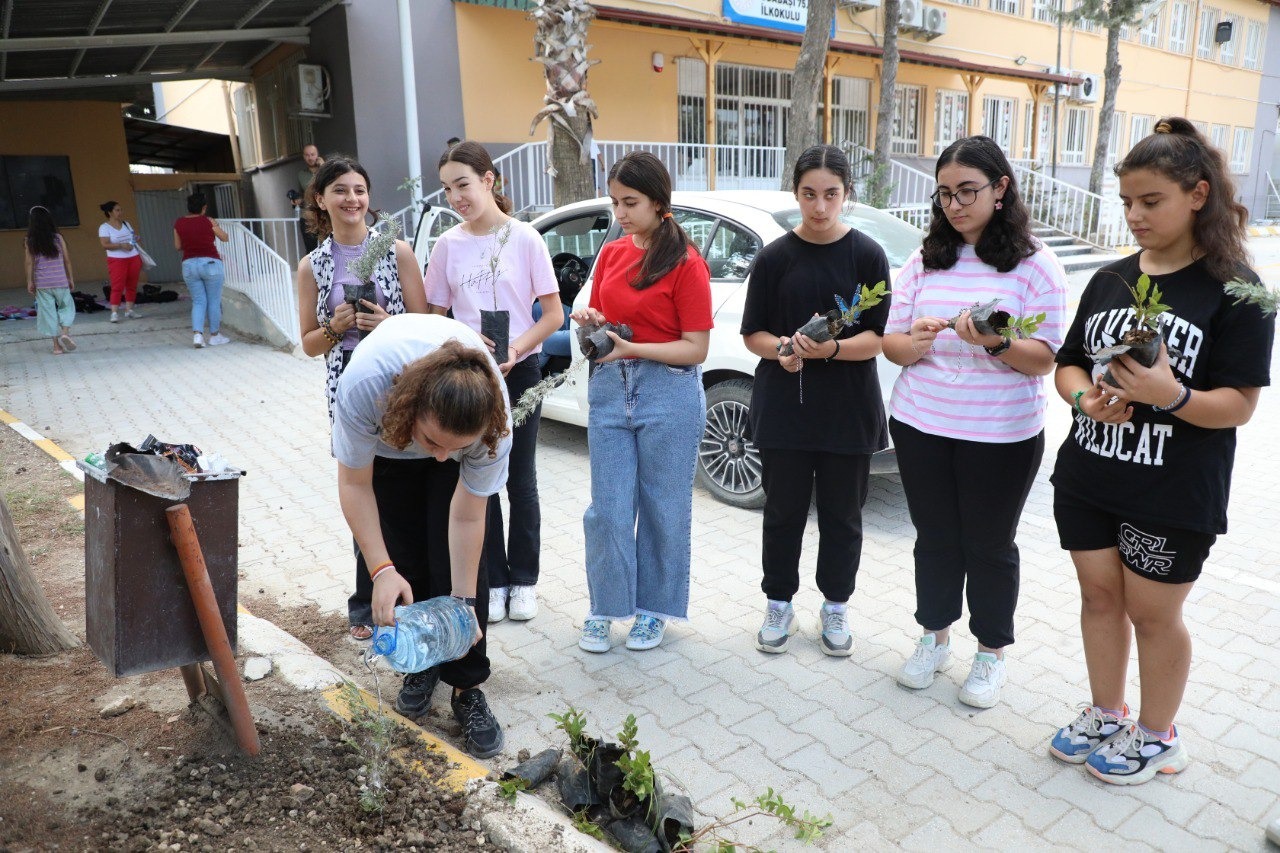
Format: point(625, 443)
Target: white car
point(729, 228)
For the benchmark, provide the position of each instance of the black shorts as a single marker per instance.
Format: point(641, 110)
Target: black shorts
point(1155, 551)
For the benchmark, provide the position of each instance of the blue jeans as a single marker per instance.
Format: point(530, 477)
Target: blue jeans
point(204, 282)
point(644, 427)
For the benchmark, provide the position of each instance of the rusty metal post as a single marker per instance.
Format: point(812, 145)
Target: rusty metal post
point(187, 543)
point(194, 679)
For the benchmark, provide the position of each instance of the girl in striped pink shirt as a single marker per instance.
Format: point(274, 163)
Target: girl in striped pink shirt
point(967, 411)
point(49, 279)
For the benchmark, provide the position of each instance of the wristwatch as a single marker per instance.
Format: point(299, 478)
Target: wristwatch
point(999, 348)
point(470, 602)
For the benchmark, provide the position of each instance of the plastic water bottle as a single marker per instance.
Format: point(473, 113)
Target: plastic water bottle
point(95, 460)
point(426, 633)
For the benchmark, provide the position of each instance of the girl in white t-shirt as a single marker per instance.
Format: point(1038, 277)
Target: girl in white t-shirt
point(124, 263)
point(492, 262)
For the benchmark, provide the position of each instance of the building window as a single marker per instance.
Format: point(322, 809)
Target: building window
point(950, 118)
point(691, 101)
point(1149, 35)
point(906, 119)
point(1076, 136)
point(998, 116)
point(1202, 126)
point(1008, 7)
point(1044, 10)
point(1042, 152)
point(1218, 136)
point(1227, 50)
point(1140, 129)
point(1179, 26)
point(1204, 35)
point(1113, 141)
point(964, 2)
point(1241, 144)
point(265, 120)
point(1253, 46)
point(850, 111)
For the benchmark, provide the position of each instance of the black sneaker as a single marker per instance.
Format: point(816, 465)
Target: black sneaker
point(481, 733)
point(415, 694)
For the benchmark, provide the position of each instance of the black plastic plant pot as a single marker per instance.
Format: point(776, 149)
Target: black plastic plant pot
point(1143, 347)
point(634, 836)
point(354, 293)
point(603, 767)
point(575, 787)
point(496, 326)
point(821, 328)
point(671, 818)
point(986, 318)
point(537, 769)
point(594, 340)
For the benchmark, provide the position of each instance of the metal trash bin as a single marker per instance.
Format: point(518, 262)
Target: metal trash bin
point(138, 610)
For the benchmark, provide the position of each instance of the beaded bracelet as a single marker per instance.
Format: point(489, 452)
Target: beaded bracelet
point(328, 332)
point(380, 568)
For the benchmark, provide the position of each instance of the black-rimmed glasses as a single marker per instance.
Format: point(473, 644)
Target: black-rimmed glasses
point(965, 195)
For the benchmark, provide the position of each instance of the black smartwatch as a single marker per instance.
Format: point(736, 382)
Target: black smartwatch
point(1000, 348)
point(470, 602)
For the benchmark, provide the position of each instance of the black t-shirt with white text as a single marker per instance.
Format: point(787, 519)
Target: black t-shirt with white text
point(842, 409)
point(1157, 467)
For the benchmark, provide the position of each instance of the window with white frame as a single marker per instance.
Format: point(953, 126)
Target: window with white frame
point(906, 119)
point(1241, 144)
point(998, 116)
point(964, 2)
point(1218, 136)
point(1227, 50)
point(266, 122)
point(950, 118)
point(1202, 126)
point(1149, 34)
point(1113, 141)
point(1179, 25)
point(1126, 32)
point(1140, 128)
point(691, 102)
point(1044, 10)
point(1253, 45)
point(1204, 34)
point(1008, 7)
point(1075, 136)
point(850, 111)
point(1029, 132)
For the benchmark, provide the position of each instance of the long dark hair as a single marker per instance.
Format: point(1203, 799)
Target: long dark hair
point(1007, 239)
point(42, 233)
point(1181, 153)
point(476, 157)
point(668, 245)
point(316, 218)
point(827, 157)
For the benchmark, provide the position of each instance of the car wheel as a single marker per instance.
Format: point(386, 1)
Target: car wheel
point(728, 463)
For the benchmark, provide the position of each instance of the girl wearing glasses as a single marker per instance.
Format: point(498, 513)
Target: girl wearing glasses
point(967, 411)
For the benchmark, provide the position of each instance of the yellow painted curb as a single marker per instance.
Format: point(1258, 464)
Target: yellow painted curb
point(48, 445)
point(6, 418)
point(77, 502)
point(465, 768)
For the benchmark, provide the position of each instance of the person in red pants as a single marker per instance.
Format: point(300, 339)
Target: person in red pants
point(124, 262)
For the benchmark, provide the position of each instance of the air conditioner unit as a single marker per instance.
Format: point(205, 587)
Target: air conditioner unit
point(858, 5)
point(1088, 90)
point(1060, 90)
point(935, 22)
point(910, 15)
point(313, 90)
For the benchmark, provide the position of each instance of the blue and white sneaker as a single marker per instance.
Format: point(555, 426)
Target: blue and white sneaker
point(595, 636)
point(837, 639)
point(1090, 730)
point(646, 633)
point(1134, 757)
point(779, 626)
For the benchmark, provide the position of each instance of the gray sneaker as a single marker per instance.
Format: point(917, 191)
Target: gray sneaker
point(837, 639)
point(779, 626)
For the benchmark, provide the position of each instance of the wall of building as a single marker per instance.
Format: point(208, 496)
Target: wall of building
point(199, 104)
point(91, 134)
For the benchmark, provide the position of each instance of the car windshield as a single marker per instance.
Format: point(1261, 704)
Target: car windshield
point(898, 238)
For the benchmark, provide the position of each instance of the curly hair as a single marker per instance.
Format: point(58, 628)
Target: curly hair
point(1181, 153)
point(458, 387)
point(1007, 240)
point(313, 215)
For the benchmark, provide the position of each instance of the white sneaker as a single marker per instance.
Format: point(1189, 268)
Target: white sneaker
point(115, 316)
point(497, 604)
point(133, 315)
point(929, 658)
point(982, 688)
point(779, 626)
point(595, 636)
point(218, 339)
point(522, 604)
point(197, 341)
point(837, 639)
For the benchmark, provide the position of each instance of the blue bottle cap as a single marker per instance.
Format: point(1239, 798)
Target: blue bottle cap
point(384, 639)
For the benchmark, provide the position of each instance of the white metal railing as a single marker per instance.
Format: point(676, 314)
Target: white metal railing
point(918, 215)
point(1073, 210)
point(1273, 199)
point(262, 274)
point(282, 236)
point(905, 187)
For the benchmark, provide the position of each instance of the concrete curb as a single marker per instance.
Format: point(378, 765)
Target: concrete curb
point(1264, 231)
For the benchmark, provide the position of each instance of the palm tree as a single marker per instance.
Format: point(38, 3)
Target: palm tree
point(806, 82)
point(560, 45)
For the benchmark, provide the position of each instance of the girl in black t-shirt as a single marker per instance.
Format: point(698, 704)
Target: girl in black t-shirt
point(824, 435)
point(1141, 485)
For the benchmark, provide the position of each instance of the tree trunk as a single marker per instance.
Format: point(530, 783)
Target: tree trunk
point(806, 83)
point(574, 180)
point(28, 625)
point(1110, 87)
point(885, 109)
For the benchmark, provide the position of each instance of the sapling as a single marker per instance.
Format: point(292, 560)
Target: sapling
point(988, 319)
point(825, 327)
point(495, 324)
point(1142, 341)
point(364, 266)
point(1254, 293)
point(594, 342)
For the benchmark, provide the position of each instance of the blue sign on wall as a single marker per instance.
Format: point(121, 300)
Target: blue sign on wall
point(786, 15)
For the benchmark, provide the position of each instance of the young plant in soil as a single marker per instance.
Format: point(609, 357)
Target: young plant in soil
point(508, 789)
point(1142, 342)
point(988, 319)
point(825, 327)
point(494, 324)
point(363, 267)
point(637, 772)
point(574, 724)
point(808, 827)
point(370, 734)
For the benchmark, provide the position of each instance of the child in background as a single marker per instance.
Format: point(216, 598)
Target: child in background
point(49, 278)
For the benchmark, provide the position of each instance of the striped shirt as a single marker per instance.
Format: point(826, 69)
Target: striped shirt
point(48, 273)
point(957, 390)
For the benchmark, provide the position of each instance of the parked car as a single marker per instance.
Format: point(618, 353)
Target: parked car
point(729, 228)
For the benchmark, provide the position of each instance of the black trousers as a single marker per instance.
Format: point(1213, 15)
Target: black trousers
point(965, 499)
point(790, 479)
point(309, 240)
point(513, 555)
point(413, 506)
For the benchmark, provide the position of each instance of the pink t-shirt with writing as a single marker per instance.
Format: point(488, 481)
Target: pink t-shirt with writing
point(957, 390)
point(459, 275)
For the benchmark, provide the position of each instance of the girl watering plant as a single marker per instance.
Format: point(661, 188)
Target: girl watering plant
point(647, 411)
point(1141, 484)
point(816, 410)
point(490, 269)
point(967, 411)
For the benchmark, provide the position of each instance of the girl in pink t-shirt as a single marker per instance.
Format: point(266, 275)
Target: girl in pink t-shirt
point(49, 279)
point(492, 262)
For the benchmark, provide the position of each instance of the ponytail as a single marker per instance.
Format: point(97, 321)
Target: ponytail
point(458, 387)
point(476, 157)
point(669, 244)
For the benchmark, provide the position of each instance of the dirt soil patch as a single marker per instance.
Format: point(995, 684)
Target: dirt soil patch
point(164, 775)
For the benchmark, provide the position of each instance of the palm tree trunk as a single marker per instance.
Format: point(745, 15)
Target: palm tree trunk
point(28, 625)
point(574, 180)
point(806, 82)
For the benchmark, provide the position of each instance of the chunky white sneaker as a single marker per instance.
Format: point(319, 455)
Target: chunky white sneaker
point(982, 688)
point(497, 604)
point(646, 633)
point(837, 639)
point(595, 636)
point(197, 341)
point(779, 626)
point(218, 339)
point(132, 315)
point(1091, 729)
point(1134, 756)
point(522, 603)
point(929, 658)
point(115, 316)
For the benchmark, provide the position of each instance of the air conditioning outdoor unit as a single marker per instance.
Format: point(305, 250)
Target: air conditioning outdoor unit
point(1060, 90)
point(313, 90)
point(910, 15)
point(935, 22)
point(858, 5)
point(1088, 90)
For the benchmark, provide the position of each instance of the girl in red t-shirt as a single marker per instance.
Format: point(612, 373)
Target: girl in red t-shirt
point(647, 411)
